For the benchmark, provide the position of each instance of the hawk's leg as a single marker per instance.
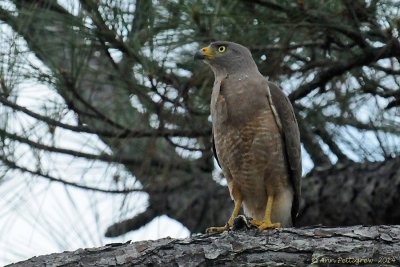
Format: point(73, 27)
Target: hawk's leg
point(266, 222)
point(235, 212)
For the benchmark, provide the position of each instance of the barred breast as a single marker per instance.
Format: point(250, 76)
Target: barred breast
point(252, 156)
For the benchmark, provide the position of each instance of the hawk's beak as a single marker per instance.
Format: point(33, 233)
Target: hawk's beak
point(204, 53)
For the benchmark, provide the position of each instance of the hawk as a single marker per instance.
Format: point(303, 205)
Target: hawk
point(256, 138)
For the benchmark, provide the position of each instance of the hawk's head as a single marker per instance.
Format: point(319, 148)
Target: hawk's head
point(227, 57)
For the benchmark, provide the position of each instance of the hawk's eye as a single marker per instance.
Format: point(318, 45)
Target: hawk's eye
point(221, 49)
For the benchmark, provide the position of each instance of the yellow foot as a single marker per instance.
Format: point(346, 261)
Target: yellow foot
point(262, 225)
point(217, 229)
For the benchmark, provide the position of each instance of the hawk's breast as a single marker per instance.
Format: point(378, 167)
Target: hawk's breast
point(250, 149)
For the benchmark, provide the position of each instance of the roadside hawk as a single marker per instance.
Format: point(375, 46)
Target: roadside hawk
point(256, 139)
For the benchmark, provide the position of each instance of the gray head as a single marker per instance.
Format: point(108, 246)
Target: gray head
point(227, 58)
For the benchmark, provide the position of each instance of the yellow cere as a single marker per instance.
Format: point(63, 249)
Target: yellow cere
point(207, 51)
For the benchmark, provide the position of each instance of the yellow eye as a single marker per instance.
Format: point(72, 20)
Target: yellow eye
point(221, 49)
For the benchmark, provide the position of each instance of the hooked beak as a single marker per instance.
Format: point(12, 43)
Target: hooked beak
point(204, 53)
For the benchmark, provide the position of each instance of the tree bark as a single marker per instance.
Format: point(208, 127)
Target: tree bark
point(356, 245)
point(352, 193)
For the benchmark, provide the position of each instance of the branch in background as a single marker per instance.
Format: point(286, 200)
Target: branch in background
point(385, 151)
point(273, 48)
point(353, 122)
point(74, 153)
point(314, 17)
point(268, 4)
point(110, 36)
point(327, 138)
point(132, 224)
point(392, 49)
point(127, 133)
point(69, 84)
point(102, 157)
point(389, 71)
point(394, 103)
point(13, 165)
point(372, 87)
point(183, 146)
point(312, 146)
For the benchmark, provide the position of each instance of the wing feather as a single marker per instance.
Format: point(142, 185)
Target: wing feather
point(291, 138)
point(215, 150)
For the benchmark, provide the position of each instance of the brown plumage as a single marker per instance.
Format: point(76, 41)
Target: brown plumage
point(256, 138)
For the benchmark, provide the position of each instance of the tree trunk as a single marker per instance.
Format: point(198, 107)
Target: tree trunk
point(356, 245)
point(353, 193)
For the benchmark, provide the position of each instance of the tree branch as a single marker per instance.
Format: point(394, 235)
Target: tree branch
point(312, 146)
point(357, 245)
point(127, 133)
point(132, 224)
point(13, 165)
point(102, 157)
point(392, 49)
point(74, 153)
point(328, 139)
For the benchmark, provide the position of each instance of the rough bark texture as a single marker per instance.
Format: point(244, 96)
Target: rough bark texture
point(356, 245)
point(353, 193)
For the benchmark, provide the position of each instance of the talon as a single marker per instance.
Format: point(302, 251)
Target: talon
point(256, 222)
point(262, 225)
point(228, 225)
point(268, 225)
point(218, 229)
point(266, 222)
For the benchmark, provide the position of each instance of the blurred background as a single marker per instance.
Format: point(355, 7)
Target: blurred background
point(105, 131)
